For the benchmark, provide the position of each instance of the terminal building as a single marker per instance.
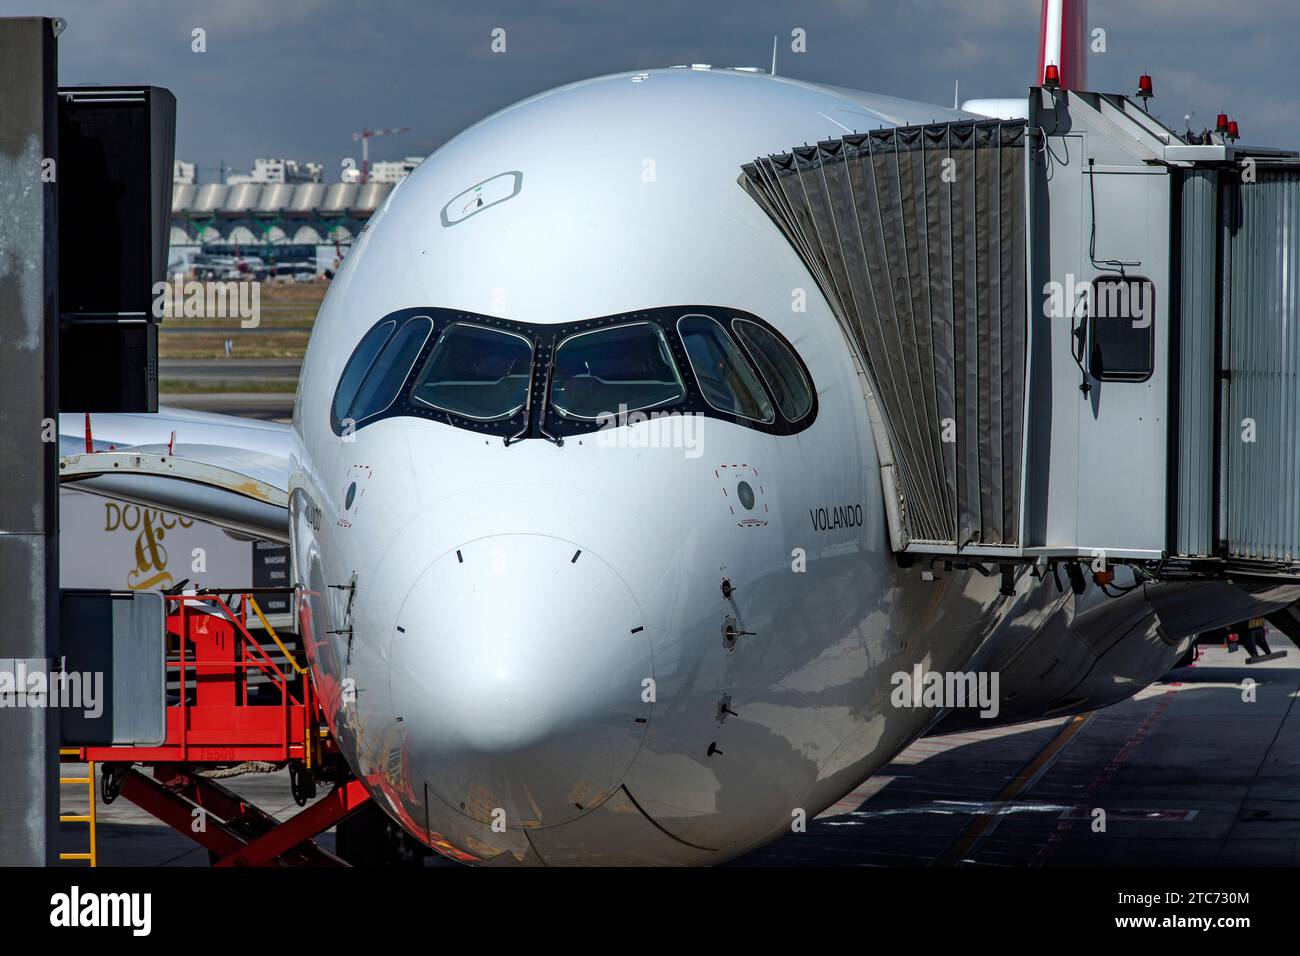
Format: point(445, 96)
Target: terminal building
point(262, 220)
point(281, 212)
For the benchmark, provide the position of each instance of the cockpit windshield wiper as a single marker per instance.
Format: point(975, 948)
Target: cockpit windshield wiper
point(541, 354)
point(546, 401)
point(528, 409)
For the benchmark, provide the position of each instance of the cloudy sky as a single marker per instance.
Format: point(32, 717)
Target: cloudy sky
point(294, 78)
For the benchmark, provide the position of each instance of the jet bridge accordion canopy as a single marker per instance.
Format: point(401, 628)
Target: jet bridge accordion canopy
point(916, 238)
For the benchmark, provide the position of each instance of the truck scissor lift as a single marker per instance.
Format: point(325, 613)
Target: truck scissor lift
point(229, 705)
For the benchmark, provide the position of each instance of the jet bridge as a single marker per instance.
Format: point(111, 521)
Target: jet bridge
point(1076, 334)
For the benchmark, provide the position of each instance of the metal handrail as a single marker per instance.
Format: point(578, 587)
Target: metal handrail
point(265, 664)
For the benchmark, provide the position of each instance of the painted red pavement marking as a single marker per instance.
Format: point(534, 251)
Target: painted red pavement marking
point(1103, 776)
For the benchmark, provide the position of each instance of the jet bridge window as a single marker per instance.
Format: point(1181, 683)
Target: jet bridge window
point(613, 371)
point(1121, 329)
point(476, 372)
point(724, 376)
point(779, 368)
point(354, 372)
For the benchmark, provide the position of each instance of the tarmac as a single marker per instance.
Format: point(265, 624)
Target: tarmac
point(230, 369)
point(273, 406)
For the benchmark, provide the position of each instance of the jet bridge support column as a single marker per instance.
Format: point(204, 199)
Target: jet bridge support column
point(29, 570)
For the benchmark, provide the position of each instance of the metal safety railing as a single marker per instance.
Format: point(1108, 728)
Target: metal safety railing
point(207, 603)
point(217, 713)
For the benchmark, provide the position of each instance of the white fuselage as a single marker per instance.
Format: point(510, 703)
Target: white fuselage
point(521, 646)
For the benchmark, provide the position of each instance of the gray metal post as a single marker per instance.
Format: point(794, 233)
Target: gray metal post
point(29, 569)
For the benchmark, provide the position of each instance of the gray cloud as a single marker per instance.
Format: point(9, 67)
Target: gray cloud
point(297, 78)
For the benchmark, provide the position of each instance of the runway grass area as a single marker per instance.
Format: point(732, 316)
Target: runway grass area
point(176, 386)
point(291, 306)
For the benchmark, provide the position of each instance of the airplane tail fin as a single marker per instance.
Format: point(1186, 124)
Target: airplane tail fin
point(1063, 41)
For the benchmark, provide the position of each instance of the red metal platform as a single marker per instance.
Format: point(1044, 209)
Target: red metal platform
point(214, 722)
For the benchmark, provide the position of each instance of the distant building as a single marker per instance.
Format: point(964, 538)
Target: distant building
point(271, 171)
point(183, 173)
point(394, 171)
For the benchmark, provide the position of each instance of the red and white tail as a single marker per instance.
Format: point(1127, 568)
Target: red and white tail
point(1064, 43)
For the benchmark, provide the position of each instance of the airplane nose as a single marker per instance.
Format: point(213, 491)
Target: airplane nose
point(519, 671)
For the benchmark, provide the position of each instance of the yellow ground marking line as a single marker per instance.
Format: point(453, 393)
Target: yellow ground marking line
point(1031, 772)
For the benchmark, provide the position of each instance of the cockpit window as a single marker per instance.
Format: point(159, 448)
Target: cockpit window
point(613, 371)
point(390, 369)
point(724, 376)
point(477, 372)
point(779, 368)
point(354, 372)
point(553, 380)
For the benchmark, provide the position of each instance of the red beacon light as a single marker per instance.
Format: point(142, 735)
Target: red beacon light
point(1052, 76)
point(1233, 130)
point(1221, 124)
point(1145, 88)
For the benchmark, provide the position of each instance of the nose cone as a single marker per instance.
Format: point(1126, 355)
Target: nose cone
point(518, 674)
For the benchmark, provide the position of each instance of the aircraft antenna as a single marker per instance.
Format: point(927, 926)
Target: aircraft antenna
point(773, 73)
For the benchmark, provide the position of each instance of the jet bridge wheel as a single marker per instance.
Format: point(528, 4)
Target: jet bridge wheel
point(370, 838)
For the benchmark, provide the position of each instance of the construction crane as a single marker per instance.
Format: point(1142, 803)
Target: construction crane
point(364, 136)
